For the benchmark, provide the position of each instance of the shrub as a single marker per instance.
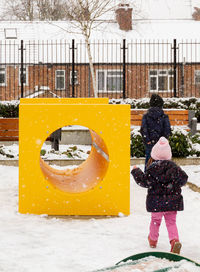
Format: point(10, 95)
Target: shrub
point(42, 152)
point(191, 103)
point(137, 147)
point(197, 111)
point(181, 142)
point(195, 139)
point(9, 110)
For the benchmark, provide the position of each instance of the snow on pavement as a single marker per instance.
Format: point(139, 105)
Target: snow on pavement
point(83, 244)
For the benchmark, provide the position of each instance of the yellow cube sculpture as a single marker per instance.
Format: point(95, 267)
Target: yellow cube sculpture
point(101, 184)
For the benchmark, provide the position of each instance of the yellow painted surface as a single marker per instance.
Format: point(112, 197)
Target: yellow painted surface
point(105, 180)
point(103, 100)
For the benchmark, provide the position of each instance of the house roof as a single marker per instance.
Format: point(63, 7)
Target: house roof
point(142, 29)
point(155, 21)
point(50, 43)
point(152, 19)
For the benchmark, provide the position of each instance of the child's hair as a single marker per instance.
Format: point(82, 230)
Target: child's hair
point(150, 161)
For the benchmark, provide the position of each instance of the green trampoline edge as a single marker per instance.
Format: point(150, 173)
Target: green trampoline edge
point(158, 254)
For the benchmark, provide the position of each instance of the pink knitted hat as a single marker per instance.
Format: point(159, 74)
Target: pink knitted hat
point(161, 150)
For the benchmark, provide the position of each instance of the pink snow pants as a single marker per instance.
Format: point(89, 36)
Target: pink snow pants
point(170, 221)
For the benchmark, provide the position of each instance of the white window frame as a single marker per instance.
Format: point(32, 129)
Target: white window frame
point(156, 76)
point(10, 33)
point(105, 80)
point(75, 77)
point(196, 73)
point(26, 73)
point(3, 72)
point(56, 78)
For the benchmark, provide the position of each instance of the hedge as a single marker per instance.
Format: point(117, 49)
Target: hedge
point(182, 143)
point(11, 108)
point(191, 103)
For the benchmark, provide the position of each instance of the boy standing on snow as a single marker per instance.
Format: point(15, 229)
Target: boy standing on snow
point(164, 179)
point(155, 123)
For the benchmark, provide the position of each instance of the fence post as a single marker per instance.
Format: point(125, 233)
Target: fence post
point(73, 93)
point(175, 65)
point(124, 68)
point(22, 69)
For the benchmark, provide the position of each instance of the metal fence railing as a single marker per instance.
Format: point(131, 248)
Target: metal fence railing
point(123, 69)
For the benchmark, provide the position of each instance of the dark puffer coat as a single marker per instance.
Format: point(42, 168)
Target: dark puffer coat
point(155, 124)
point(163, 180)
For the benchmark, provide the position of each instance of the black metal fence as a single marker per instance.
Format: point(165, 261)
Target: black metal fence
point(123, 69)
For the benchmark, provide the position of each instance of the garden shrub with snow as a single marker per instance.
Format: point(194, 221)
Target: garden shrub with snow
point(191, 103)
point(11, 108)
point(183, 144)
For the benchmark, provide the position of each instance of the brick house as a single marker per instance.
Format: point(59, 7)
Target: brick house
point(132, 58)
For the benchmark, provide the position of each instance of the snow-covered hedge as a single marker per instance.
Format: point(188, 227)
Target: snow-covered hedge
point(181, 142)
point(11, 108)
point(191, 103)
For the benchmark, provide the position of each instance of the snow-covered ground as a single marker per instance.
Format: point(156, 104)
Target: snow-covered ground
point(83, 244)
point(68, 152)
point(72, 151)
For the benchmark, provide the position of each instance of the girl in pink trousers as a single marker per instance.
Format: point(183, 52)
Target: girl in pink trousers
point(164, 180)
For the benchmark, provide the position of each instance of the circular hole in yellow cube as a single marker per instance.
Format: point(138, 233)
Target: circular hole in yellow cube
point(85, 176)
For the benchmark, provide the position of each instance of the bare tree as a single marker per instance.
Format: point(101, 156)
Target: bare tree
point(29, 10)
point(84, 16)
point(20, 9)
point(50, 10)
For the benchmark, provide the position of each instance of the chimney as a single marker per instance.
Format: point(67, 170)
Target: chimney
point(196, 14)
point(124, 17)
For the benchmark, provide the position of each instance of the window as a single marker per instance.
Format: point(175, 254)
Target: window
point(60, 79)
point(110, 80)
point(161, 80)
point(2, 76)
point(10, 33)
point(25, 76)
point(197, 77)
point(75, 77)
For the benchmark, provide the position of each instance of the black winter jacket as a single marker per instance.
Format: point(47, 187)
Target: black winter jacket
point(155, 124)
point(163, 180)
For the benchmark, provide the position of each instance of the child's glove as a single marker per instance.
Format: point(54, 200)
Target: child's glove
point(134, 168)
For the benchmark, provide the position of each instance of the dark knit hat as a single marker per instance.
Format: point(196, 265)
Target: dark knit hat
point(156, 101)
